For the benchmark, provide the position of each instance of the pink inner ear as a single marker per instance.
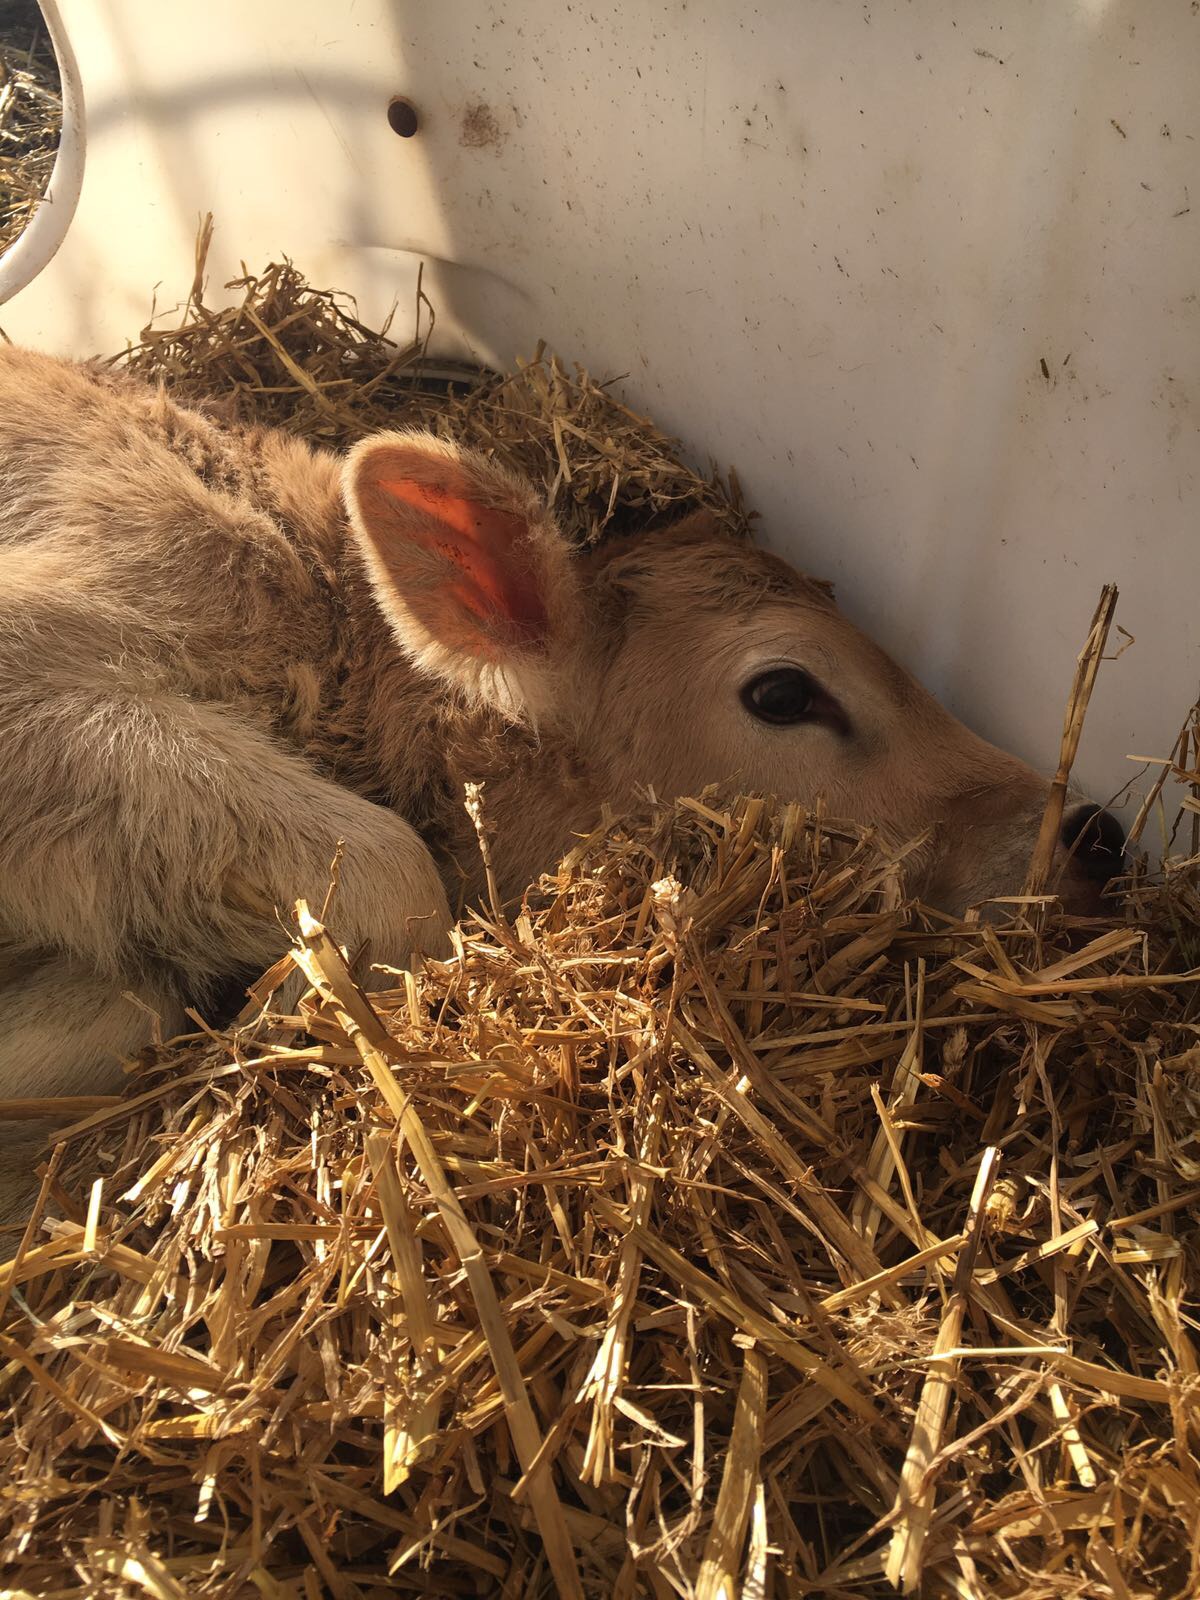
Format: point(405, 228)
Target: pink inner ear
point(496, 584)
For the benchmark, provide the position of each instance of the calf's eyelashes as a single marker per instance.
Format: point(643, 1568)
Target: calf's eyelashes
point(788, 696)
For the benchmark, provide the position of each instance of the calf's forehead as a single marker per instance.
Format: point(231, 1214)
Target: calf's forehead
point(721, 595)
point(685, 568)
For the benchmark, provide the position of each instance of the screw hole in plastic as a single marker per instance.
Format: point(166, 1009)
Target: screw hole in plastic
point(402, 117)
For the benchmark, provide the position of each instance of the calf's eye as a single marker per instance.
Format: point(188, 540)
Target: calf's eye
point(784, 696)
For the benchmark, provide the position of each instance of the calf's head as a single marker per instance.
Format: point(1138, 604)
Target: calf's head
point(688, 658)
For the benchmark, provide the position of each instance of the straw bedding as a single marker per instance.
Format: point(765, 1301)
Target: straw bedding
point(30, 115)
point(717, 1223)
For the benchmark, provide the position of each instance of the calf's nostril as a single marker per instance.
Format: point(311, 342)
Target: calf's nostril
point(1095, 840)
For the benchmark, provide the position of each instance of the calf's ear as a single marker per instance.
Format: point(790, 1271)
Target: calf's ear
point(468, 566)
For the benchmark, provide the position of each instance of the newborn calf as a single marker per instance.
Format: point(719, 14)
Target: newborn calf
point(222, 651)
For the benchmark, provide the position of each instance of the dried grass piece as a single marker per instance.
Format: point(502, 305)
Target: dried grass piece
point(1086, 668)
point(914, 1502)
point(740, 1486)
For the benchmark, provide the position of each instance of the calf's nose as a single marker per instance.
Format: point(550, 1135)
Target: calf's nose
point(1095, 841)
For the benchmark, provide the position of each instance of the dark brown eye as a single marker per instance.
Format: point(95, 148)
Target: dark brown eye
point(785, 696)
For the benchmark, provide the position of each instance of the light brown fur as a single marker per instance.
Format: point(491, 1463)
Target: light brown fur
point(210, 674)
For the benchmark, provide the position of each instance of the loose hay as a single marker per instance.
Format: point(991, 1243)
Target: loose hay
point(300, 359)
point(720, 1224)
point(620, 1255)
point(30, 115)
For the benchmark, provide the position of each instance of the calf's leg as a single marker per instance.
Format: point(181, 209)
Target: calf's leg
point(153, 840)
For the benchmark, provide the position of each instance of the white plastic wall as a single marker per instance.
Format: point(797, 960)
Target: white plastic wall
point(925, 271)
